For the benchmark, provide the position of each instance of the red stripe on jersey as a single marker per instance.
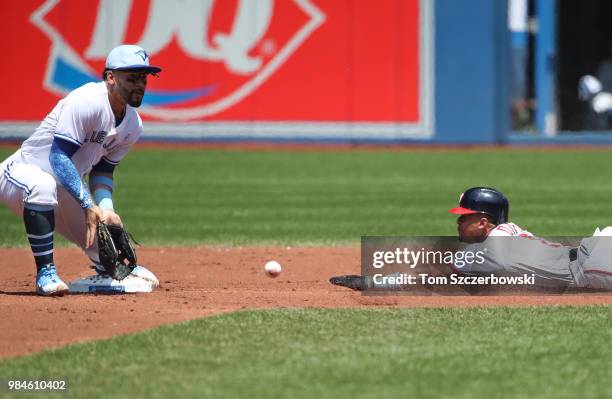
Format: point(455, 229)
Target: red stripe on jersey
point(597, 271)
point(504, 229)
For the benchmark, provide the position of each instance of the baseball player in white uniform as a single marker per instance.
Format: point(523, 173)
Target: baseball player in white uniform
point(86, 134)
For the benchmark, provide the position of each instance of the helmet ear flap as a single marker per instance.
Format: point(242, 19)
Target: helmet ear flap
point(505, 214)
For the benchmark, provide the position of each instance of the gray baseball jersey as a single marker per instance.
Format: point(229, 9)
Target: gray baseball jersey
point(514, 251)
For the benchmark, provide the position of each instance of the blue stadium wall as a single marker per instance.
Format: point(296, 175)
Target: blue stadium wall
point(471, 69)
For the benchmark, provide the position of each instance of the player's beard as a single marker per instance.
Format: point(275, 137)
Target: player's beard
point(134, 99)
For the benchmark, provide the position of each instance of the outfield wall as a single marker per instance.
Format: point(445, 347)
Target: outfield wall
point(309, 70)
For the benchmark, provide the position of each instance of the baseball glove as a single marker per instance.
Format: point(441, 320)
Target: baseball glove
point(116, 252)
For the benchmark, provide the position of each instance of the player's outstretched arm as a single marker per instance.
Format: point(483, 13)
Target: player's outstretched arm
point(64, 169)
point(66, 172)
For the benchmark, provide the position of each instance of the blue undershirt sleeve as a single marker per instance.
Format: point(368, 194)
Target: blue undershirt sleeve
point(66, 172)
point(68, 147)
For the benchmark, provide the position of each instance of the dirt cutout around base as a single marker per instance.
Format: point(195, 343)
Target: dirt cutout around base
point(197, 282)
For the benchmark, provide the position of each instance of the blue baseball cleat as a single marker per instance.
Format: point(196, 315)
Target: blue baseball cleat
point(48, 282)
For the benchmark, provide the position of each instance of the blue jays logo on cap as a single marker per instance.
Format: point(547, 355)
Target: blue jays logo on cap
point(143, 54)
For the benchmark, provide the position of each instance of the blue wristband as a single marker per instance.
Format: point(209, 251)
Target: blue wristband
point(104, 199)
point(96, 179)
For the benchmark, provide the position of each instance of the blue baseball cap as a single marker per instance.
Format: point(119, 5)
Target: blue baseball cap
point(130, 57)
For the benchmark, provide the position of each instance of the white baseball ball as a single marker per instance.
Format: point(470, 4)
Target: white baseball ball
point(272, 268)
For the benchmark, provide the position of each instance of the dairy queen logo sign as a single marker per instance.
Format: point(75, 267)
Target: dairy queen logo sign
point(213, 56)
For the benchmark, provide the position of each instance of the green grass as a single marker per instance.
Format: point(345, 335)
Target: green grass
point(254, 197)
point(552, 352)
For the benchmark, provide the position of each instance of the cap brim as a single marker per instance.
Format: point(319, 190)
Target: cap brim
point(140, 68)
point(462, 211)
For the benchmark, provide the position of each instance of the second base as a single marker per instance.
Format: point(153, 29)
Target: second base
point(105, 285)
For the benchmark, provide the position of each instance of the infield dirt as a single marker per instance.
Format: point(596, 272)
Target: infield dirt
point(197, 282)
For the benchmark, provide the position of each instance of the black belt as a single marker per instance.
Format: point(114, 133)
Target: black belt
point(573, 254)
